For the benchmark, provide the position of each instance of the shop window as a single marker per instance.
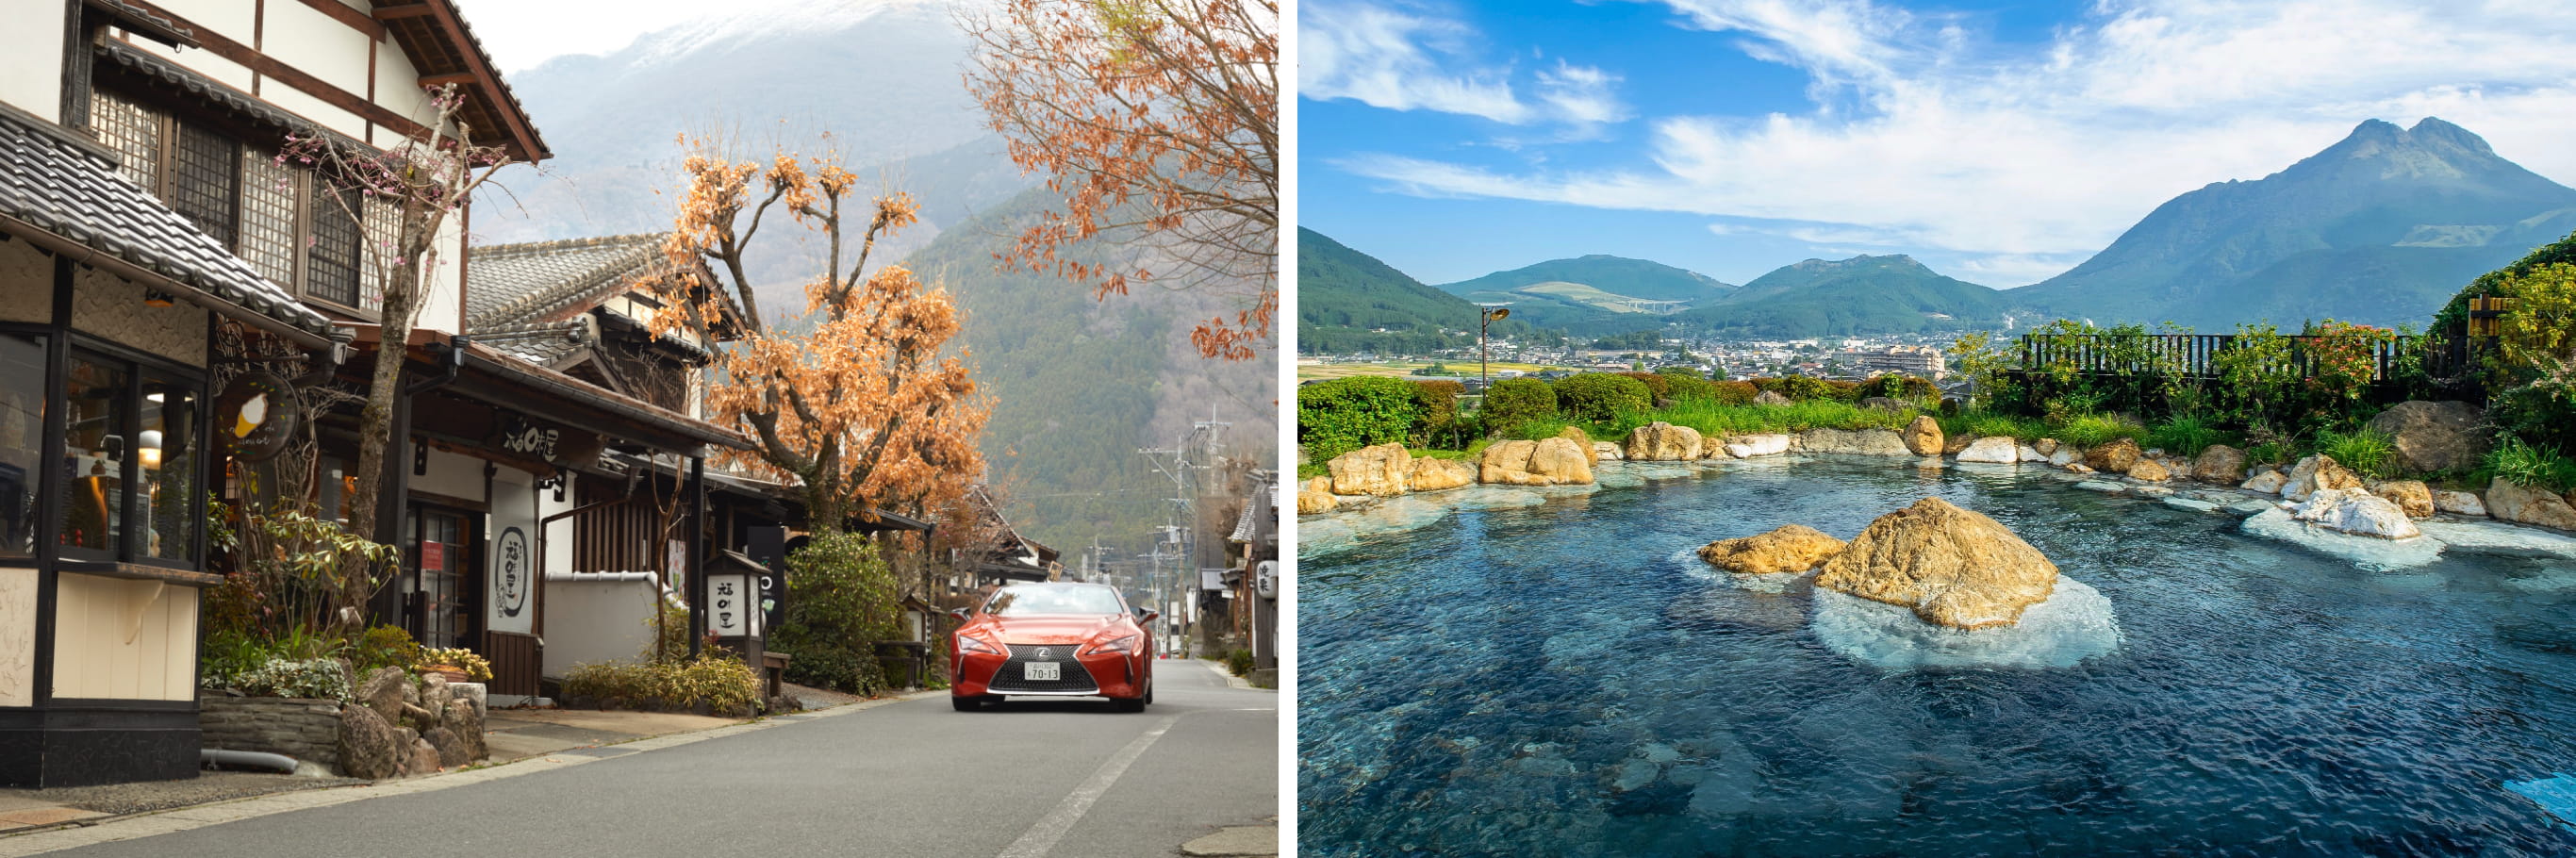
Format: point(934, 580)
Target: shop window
point(22, 439)
point(166, 453)
point(130, 484)
point(95, 428)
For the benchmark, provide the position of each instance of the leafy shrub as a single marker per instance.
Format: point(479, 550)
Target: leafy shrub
point(2531, 467)
point(1599, 396)
point(1239, 662)
point(1691, 387)
point(2371, 452)
point(1659, 387)
point(1803, 388)
point(825, 667)
point(1513, 400)
point(723, 683)
point(315, 679)
point(2186, 435)
point(842, 600)
point(1439, 401)
point(1734, 392)
point(2094, 430)
point(384, 646)
point(1345, 414)
point(301, 574)
point(475, 668)
point(1894, 386)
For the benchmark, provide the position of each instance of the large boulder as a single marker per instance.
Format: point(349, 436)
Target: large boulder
point(1954, 567)
point(2413, 496)
point(2460, 503)
point(1956, 444)
point(1316, 496)
point(1379, 471)
point(1580, 439)
point(2509, 502)
point(2219, 464)
point(2266, 479)
point(2356, 511)
point(1770, 397)
point(1999, 449)
point(2435, 436)
point(1562, 461)
point(467, 723)
point(2315, 474)
point(1663, 442)
point(2149, 470)
point(1431, 475)
point(383, 691)
point(450, 747)
point(2114, 457)
point(423, 758)
point(2066, 456)
point(1502, 459)
point(1853, 442)
point(1793, 548)
point(1555, 461)
point(368, 746)
point(1606, 450)
point(1749, 446)
point(1923, 436)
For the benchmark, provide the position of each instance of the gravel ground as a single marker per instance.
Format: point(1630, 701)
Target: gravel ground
point(163, 795)
point(817, 698)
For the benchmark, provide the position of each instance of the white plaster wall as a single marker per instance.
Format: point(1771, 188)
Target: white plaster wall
point(588, 622)
point(444, 308)
point(450, 474)
point(230, 73)
point(398, 84)
point(314, 43)
point(294, 101)
point(26, 282)
point(116, 639)
point(554, 541)
point(31, 56)
point(17, 637)
point(232, 19)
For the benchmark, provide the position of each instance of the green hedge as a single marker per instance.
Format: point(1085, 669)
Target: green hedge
point(1345, 414)
point(1513, 401)
point(1601, 396)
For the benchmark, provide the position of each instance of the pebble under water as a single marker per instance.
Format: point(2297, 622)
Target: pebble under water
point(1566, 678)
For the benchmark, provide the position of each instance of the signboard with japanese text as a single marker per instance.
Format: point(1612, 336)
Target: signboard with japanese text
point(731, 607)
point(510, 582)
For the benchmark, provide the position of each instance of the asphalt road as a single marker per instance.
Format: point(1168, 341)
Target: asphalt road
point(1027, 778)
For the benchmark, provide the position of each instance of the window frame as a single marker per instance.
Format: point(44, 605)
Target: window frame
point(133, 504)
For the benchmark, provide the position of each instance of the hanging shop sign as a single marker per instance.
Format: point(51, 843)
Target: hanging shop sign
point(510, 579)
point(260, 413)
point(545, 442)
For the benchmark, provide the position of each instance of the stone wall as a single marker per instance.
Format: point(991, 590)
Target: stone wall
point(307, 730)
point(112, 308)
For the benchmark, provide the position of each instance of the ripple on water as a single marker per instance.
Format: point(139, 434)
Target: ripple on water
point(2074, 624)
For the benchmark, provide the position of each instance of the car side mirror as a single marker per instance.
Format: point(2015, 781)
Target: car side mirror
point(962, 615)
point(1145, 616)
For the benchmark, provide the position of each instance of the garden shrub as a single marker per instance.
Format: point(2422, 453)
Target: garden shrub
point(314, 678)
point(1439, 420)
point(2370, 452)
point(2186, 435)
point(1599, 396)
point(2524, 465)
point(2539, 350)
point(1513, 400)
point(1239, 662)
point(1686, 387)
point(1803, 388)
point(723, 683)
point(1734, 392)
point(1345, 414)
point(384, 646)
point(1659, 387)
point(1910, 388)
point(841, 601)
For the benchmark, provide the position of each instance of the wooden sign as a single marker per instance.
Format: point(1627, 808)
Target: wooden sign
point(545, 442)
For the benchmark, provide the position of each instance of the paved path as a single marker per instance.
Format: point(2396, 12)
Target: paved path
point(1029, 778)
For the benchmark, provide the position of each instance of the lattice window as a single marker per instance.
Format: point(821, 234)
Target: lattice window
point(205, 181)
point(333, 259)
point(134, 131)
point(270, 195)
point(384, 242)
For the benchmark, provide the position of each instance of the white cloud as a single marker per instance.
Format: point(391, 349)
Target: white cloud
point(1399, 60)
point(2029, 159)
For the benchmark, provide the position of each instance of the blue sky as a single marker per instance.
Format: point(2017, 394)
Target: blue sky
point(2000, 143)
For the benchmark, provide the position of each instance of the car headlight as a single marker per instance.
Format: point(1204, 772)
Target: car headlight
point(968, 644)
point(1125, 644)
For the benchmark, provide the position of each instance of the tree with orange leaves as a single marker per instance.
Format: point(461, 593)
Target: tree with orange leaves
point(1159, 122)
point(862, 411)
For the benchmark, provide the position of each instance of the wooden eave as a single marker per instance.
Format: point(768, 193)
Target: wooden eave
point(443, 50)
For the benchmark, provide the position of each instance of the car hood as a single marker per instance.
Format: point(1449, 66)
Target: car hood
point(1048, 628)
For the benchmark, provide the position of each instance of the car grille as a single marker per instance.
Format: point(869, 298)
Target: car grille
point(1074, 679)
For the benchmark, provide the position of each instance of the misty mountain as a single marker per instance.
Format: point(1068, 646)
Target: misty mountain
point(2380, 228)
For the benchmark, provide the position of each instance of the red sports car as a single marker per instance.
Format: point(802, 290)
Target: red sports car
point(1052, 640)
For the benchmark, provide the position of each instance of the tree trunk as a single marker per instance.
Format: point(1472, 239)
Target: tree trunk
point(376, 418)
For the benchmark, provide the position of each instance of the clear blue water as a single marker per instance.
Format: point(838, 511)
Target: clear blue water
point(1565, 679)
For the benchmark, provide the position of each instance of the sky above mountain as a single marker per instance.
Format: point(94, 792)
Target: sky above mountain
point(522, 35)
point(1999, 142)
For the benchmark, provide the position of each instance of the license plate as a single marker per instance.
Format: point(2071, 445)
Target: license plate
point(1041, 671)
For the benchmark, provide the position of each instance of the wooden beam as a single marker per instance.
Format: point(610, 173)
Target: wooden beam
point(270, 67)
point(521, 132)
point(396, 13)
point(430, 81)
point(352, 18)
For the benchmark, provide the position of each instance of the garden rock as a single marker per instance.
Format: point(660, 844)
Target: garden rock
point(1663, 442)
point(2460, 503)
point(1576, 435)
point(2114, 457)
point(434, 693)
point(1858, 442)
point(2266, 479)
point(2045, 446)
point(467, 723)
point(383, 692)
point(1749, 446)
point(2434, 436)
point(2028, 453)
point(1555, 461)
point(1793, 548)
point(2220, 464)
point(2356, 511)
point(1997, 450)
point(1923, 436)
point(2413, 496)
point(1770, 397)
point(423, 758)
point(450, 747)
point(2315, 474)
point(2520, 505)
point(1431, 475)
point(2148, 470)
point(1954, 567)
point(2066, 456)
point(2191, 504)
point(1956, 444)
point(1316, 496)
point(367, 744)
point(1604, 450)
point(1377, 471)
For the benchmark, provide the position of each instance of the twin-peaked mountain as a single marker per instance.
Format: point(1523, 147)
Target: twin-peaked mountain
point(2379, 228)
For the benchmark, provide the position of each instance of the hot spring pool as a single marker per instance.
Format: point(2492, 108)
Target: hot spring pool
point(1563, 677)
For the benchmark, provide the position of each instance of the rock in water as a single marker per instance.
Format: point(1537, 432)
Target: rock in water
point(1793, 548)
point(1606, 450)
point(2045, 446)
point(1749, 446)
point(1998, 450)
point(2434, 436)
point(1379, 471)
point(1956, 444)
point(2147, 470)
point(1504, 459)
point(2528, 506)
point(367, 744)
point(2413, 496)
point(2315, 474)
point(1663, 442)
point(1555, 461)
point(1857, 442)
point(1923, 436)
point(1316, 496)
point(2074, 624)
point(2113, 458)
point(2460, 503)
point(2267, 480)
point(1562, 461)
point(2220, 464)
point(1954, 567)
point(1575, 434)
point(2356, 512)
point(1431, 475)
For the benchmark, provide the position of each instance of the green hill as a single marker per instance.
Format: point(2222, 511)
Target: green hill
point(1349, 302)
point(1593, 294)
point(1863, 295)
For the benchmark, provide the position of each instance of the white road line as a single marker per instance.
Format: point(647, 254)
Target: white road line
point(1042, 837)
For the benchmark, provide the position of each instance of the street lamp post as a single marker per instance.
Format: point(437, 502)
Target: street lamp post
point(1485, 319)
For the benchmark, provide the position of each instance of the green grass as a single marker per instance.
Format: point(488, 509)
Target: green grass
point(2370, 452)
point(2185, 436)
point(1717, 420)
point(1986, 424)
point(2094, 430)
point(2530, 467)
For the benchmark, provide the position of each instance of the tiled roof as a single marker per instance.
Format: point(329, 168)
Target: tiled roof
point(514, 285)
point(541, 343)
point(436, 48)
point(63, 187)
point(1260, 513)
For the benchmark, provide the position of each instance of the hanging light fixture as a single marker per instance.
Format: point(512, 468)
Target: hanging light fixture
point(158, 298)
point(151, 448)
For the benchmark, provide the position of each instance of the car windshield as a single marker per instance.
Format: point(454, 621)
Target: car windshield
point(1023, 601)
